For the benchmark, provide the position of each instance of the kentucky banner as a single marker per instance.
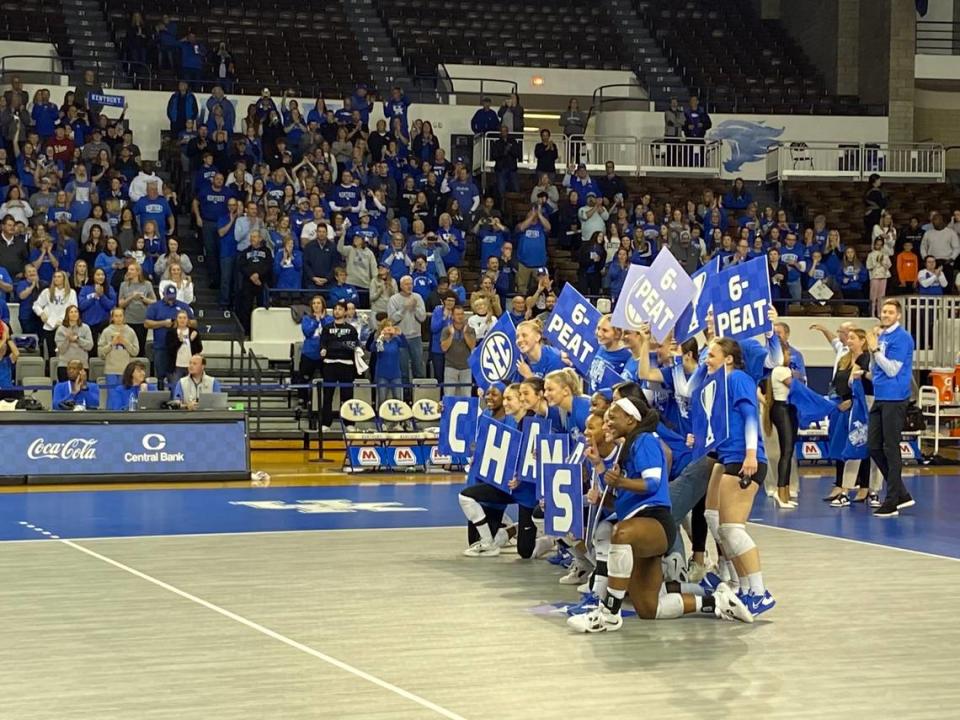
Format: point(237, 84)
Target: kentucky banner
point(811, 407)
point(552, 448)
point(458, 429)
point(495, 459)
point(117, 101)
point(656, 295)
point(572, 328)
point(711, 421)
point(494, 359)
point(856, 445)
point(741, 298)
point(694, 318)
point(563, 500)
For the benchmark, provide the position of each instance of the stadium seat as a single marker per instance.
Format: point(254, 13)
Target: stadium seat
point(29, 366)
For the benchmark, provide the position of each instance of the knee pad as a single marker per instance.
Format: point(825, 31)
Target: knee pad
point(620, 563)
point(601, 539)
point(736, 540)
point(669, 606)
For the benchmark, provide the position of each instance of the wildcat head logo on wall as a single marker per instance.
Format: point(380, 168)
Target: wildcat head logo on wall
point(746, 141)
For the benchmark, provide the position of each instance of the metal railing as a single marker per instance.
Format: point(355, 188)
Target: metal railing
point(441, 86)
point(830, 160)
point(934, 322)
point(937, 38)
point(112, 73)
point(659, 156)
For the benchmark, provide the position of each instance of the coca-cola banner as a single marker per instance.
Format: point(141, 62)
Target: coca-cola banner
point(75, 448)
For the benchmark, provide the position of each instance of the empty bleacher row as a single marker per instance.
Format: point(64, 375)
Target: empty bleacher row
point(738, 62)
point(274, 43)
point(567, 34)
point(34, 21)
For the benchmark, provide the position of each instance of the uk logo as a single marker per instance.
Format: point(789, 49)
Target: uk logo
point(496, 357)
point(355, 409)
point(395, 409)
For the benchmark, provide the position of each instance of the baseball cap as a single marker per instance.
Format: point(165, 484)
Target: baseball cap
point(302, 199)
point(581, 166)
point(272, 203)
point(170, 291)
point(487, 100)
point(591, 193)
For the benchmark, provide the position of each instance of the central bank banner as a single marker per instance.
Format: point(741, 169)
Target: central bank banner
point(125, 448)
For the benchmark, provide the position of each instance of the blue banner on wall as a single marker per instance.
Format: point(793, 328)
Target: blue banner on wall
point(563, 500)
point(117, 101)
point(125, 448)
point(741, 299)
point(498, 448)
point(572, 328)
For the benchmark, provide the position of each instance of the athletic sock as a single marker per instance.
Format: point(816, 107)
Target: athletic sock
point(706, 605)
point(744, 585)
point(755, 580)
point(732, 572)
point(475, 514)
point(614, 600)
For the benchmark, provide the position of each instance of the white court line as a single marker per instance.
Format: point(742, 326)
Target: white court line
point(855, 542)
point(406, 694)
point(238, 533)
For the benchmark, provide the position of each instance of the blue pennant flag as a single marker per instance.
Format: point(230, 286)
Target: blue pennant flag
point(572, 328)
point(495, 459)
point(458, 429)
point(811, 406)
point(741, 299)
point(563, 500)
point(494, 359)
point(710, 410)
point(694, 318)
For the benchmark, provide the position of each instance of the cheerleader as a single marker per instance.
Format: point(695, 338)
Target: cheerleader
point(483, 504)
point(537, 359)
point(643, 532)
point(741, 469)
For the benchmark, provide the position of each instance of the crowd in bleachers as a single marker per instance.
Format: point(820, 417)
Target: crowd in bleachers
point(295, 199)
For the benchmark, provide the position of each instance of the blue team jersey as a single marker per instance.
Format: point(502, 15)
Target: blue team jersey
point(550, 360)
point(676, 409)
point(744, 420)
point(616, 359)
point(573, 422)
point(680, 454)
point(643, 459)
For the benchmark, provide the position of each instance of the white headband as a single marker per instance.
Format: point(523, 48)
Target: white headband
point(629, 408)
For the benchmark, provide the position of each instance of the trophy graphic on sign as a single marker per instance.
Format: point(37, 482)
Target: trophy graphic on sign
point(707, 397)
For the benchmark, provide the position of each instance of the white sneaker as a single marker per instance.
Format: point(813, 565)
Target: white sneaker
point(325, 428)
point(695, 571)
point(585, 588)
point(480, 549)
point(729, 606)
point(595, 621)
point(544, 546)
point(575, 575)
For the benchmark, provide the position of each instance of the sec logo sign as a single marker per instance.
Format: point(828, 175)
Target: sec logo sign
point(496, 357)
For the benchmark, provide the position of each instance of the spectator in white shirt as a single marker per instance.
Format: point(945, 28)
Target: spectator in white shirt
point(941, 243)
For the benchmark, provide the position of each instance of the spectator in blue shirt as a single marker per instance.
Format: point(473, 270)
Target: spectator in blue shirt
point(485, 120)
point(45, 115)
point(192, 55)
point(396, 107)
point(738, 199)
point(853, 276)
point(124, 395)
point(154, 207)
point(386, 348)
point(340, 290)
point(96, 300)
point(441, 317)
point(288, 266)
point(161, 316)
point(219, 99)
point(76, 391)
point(531, 244)
point(424, 281)
point(182, 106)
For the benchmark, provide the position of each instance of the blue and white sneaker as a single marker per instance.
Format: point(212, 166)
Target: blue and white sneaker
point(759, 604)
point(710, 582)
point(562, 557)
point(588, 602)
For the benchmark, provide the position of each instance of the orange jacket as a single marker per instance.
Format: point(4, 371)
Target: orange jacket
point(908, 265)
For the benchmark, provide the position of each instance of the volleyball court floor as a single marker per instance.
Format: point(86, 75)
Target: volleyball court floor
point(354, 601)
